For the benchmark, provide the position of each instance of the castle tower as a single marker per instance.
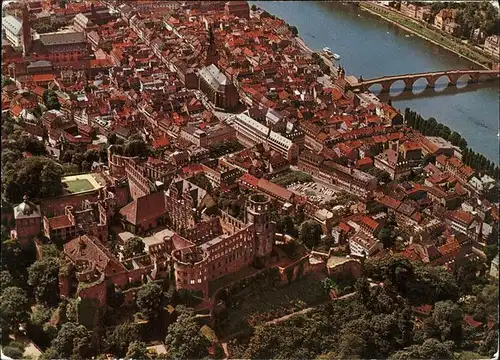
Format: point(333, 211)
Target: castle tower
point(258, 208)
point(212, 57)
point(27, 39)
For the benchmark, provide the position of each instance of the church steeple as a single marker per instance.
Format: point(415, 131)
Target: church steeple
point(212, 57)
point(26, 28)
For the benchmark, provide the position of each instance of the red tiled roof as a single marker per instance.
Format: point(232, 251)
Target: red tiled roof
point(423, 309)
point(471, 322)
point(417, 217)
point(250, 180)
point(410, 145)
point(38, 90)
point(461, 216)
point(192, 169)
point(91, 249)
point(276, 190)
point(389, 202)
point(494, 213)
point(43, 77)
point(148, 207)
point(449, 248)
point(16, 110)
point(410, 254)
point(163, 141)
point(345, 227)
point(441, 159)
point(100, 63)
point(368, 221)
point(454, 162)
point(466, 170)
point(60, 222)
point(364, 161)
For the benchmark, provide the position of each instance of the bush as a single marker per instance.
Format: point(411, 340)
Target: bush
point(13, 352)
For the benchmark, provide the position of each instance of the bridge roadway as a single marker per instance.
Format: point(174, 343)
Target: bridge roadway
point(453, 76)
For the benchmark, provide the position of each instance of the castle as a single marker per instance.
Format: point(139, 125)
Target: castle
point(223, 245)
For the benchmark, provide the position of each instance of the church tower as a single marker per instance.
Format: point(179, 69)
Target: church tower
point(27, 39)
point(212, 57)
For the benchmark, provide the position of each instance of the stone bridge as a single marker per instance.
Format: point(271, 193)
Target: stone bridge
point(453, 76)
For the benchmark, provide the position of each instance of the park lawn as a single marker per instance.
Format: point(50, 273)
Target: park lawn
point(76, 186)
point(290, 177)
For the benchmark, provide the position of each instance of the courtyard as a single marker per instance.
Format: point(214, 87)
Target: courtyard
point(80, 183)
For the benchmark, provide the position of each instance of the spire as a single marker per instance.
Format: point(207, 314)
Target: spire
point(210, 35)
point(211, 56)
point(26, 29)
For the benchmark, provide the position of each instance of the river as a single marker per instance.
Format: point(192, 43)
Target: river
point(371, 47)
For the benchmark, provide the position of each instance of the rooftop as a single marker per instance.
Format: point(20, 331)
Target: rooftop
point(62, 38)
point(213, 76)
point(11, 24)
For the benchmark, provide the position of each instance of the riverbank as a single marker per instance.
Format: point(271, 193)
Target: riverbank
point(303, 46)
point(425, 33)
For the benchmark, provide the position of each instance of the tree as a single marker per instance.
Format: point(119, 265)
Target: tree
point(363, 290)
point(6, 279)
point(387, 234)
point(13, 352)
point(6, 81)
point(43, 275)
point(107, 46)
point(285, 225)
point(38, 177)
point(294, 31)
point(310, 233)
point(91, 155)
point(112, 139)
point(117, 341)
point(133, 247)
point(14, 308)
point(136, 147)
point(16, 260)
point(40, 315)
point(137, 350)
point(489, 346)
point(254, 7)
point(445, 322)
point(32, 145)
point(50, 100)
point(150, 300)
point(184, 339)
point(49, 354)
point(73, 341)
point(328, 284)
point(430, 349)
point(491, 251)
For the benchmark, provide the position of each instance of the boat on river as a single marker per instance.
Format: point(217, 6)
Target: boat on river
point(336, 56)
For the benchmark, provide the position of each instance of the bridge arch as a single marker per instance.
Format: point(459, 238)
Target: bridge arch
point(441, 82)
point(463, 80)
point(419, 85)
point(376, 89)
point(397, 87)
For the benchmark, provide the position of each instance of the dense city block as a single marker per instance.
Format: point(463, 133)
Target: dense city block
point(187, 179)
